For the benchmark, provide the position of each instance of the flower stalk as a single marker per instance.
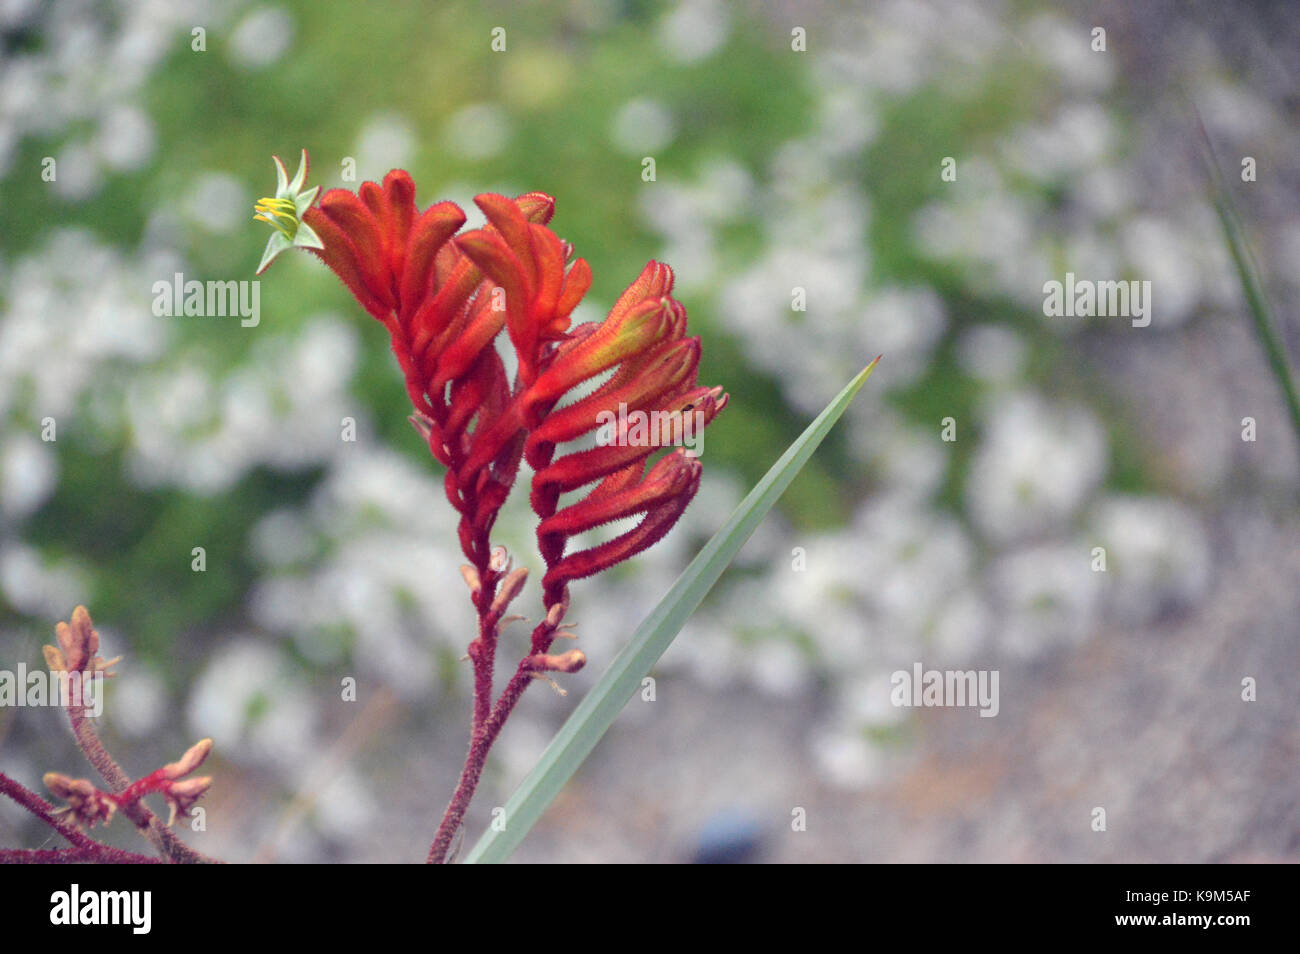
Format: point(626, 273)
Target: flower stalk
point(77, 654)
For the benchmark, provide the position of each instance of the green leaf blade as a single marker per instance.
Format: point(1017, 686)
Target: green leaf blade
point(600, 707)
point(1252, 286)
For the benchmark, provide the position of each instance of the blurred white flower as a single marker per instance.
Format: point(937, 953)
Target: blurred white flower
point(847, 120)
point(963, 627)
point(248, 701)
point(478, 131)
point(29, 473)
point(284, 408)
point(991, 230)
point(1078, 137)
point(694, 30)
point(281, 538)
point(139, 702)
point(386, 141)
point(994, 354)
point(863, 700)
point(1062, 45)
point(78, 175)
point(847, 758)
point(218, 202)
point(1235, 112)
point(14, 13)
point(1035, 466)
point(1157, 556)
point(641, 126)
point(906, 459)
point(40, 587)
point(1047, 598)
point(126, 140)
point(261, 37)
point(1157, 252)
point(103, 303)
point(904, 323)
point(344, 806)
point(777, 666)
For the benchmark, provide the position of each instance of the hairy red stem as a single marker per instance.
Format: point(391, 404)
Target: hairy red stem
point(103, 854)
point(483, 735)
point(482, 654)
point(84, 848)
point(44, 811)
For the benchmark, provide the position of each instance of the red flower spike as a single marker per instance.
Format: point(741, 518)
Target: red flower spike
point(612, 342)
point(358, 223)
point(445, 296)
point(445, 299)
point(341, 256)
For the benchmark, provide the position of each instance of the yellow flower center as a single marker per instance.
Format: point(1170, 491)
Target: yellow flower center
point(281, 214)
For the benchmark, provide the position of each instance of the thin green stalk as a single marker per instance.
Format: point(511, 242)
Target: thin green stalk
point(1256, 298)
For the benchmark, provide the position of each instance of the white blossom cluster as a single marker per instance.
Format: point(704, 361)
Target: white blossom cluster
point(1012, 574)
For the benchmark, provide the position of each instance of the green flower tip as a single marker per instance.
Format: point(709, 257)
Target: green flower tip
point(284, 212)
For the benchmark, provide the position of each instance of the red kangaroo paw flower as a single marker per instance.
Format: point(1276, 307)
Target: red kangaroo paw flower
point(366, 241)
point(445, 296)
point(583, 467)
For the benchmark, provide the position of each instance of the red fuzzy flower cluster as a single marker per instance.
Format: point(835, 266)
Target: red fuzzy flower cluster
point(445, 297)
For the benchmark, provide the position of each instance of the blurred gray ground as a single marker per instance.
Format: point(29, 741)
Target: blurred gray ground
point(1148, 724)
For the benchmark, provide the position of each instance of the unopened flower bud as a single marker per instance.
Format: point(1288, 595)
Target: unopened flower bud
point(59, 785)
point(85, 631)
point(54, 659)
point(555, 615)
point(181, 796)
point(190, 789)
point(471, 579)
point(78, 646)
point(510, 588)
point(188, 762)
point(87, 803)
point(571, 661)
